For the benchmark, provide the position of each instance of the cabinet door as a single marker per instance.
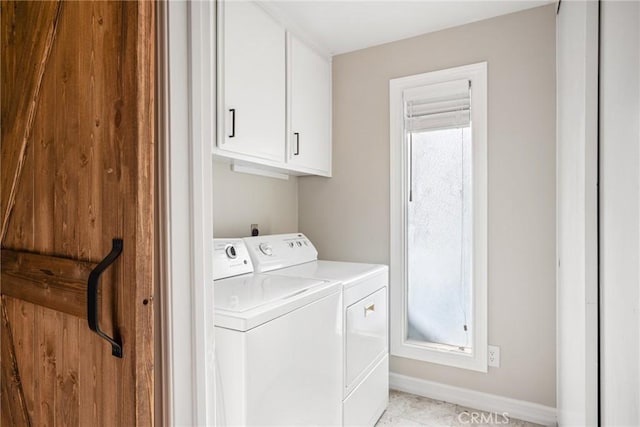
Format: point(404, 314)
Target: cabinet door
point(252, 86)
point(309, 135)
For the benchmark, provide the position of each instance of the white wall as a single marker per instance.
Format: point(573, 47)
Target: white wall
point(185, 207)
point(347, 216)
point(240, 200)
point(577, 153)
point(619, 214)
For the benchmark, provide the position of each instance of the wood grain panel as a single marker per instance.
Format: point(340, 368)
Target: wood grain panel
point(50, 375)
point(14, 407)
point(42, 148)
point(90, 378)
point(67, 372)
point(22, 224)
point(126, 316)
point(47, 343)
point(22, 317)
point(54, 282)
point(67, 131)
point(116, 170)
point(87, 177)
point(145, 119)
point(26, 50)
point(91, 133)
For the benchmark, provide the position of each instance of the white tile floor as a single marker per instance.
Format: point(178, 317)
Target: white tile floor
point(410, 410)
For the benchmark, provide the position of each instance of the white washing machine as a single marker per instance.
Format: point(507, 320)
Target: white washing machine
point(279, 344)
point(365, 386)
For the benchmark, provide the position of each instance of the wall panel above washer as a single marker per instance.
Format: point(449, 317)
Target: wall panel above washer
point(240, 200)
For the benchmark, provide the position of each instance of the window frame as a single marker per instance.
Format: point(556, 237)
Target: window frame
point(399, 191)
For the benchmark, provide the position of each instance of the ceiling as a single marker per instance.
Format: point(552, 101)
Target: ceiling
point(339, 26)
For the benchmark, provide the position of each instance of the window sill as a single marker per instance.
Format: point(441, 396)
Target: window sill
point(441, 354)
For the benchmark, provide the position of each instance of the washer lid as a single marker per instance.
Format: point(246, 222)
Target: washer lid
point(348, 273)
point(244, 302)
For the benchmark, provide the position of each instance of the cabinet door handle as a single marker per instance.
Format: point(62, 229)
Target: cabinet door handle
point(233, 122)
point(369, 309)
point(92, 297)
point(297, 134)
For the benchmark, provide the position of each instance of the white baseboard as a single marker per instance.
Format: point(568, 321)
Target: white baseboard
point(519, 409)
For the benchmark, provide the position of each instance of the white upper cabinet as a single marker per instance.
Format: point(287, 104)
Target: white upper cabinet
point(251, 83)
point(309, 107)
point(274, 95)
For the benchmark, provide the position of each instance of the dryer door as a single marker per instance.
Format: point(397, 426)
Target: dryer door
point(366, 335)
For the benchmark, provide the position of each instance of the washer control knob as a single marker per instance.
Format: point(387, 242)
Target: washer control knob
point(231, 251)
point(266, 249)
point(290, 244)
point(299, 243)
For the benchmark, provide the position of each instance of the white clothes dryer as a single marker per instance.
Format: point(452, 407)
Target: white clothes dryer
point(365, 380)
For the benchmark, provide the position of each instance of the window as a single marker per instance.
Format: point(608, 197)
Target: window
point(438, 217)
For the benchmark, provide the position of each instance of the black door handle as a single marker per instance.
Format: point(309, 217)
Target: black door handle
point(92, 296)
point(297, 152)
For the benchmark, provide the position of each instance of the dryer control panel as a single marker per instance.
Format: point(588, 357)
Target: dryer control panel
point(280, 250)
point(230, 258)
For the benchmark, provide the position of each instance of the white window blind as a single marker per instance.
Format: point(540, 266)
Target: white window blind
point(437, 106)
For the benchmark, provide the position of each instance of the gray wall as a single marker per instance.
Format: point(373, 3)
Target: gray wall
point(240, 200)
point(348, 216)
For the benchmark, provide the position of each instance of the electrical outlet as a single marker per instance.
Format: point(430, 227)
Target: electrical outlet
point(494, 356)
point(254, 230)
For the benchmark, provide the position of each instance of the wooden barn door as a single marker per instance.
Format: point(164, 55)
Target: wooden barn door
point(78, 147)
